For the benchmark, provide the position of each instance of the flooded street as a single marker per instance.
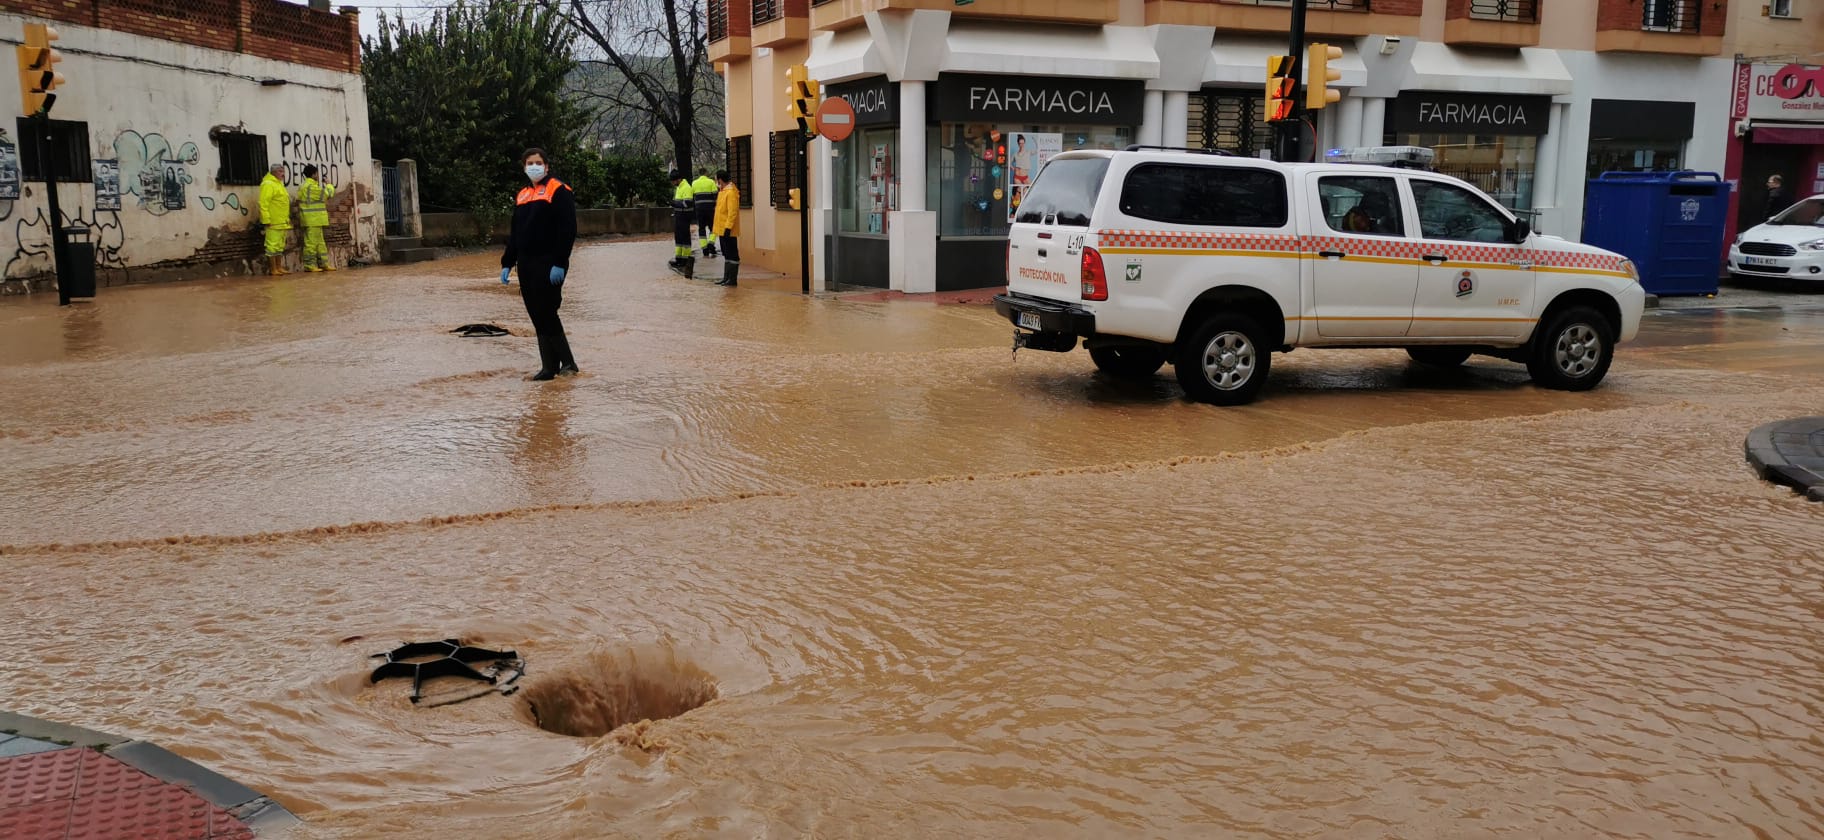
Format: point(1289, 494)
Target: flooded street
point(899, 583)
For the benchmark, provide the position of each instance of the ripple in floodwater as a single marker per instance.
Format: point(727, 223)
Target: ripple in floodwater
point(1082, 609)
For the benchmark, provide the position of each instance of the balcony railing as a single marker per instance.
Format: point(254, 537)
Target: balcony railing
point(767, 11)
point(1512, 11)
point(718, 20)
point(1313, 5)
point(1683, 16)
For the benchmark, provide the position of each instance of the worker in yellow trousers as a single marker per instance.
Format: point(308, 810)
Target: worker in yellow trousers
point(313, 211)
point(275, 214)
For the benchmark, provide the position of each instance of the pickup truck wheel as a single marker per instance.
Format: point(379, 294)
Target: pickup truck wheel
point(1128, 362)
point(1223, 361)
point(1438, 356)
point(1573, 350)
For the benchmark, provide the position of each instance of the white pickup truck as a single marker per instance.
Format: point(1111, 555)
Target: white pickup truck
point(1212, 263)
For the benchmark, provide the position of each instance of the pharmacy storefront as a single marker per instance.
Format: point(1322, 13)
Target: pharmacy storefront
point(865, 191)
point(1490, 140)
point(989, 137)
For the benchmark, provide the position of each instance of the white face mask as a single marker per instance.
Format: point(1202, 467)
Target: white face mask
point(535, 171)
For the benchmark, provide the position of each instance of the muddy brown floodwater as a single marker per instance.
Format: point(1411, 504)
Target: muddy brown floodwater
point(872, 577)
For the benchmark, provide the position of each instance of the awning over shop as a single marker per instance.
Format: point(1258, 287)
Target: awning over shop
point(1791, 134)
point(1529, 70)
point(1110, 52)
point(840, 56)
point(1243, 61)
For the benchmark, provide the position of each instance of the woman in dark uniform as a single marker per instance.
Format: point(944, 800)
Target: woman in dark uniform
point(544, 231)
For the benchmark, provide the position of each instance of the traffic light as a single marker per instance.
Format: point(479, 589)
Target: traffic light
point(1280, 84)
point(805, 94)
point(797, 198)
point(38, 75)
point(1319, 74)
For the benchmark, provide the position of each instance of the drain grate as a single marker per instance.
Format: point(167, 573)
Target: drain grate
point(450, 658)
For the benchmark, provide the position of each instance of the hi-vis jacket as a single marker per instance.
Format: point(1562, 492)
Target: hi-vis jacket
point(275, 204)
point(544, 228)
point(728, 212)
point(313, 202)
point(684, 198)
point(705, 189)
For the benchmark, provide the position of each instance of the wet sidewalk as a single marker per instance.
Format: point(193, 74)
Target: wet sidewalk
point(63, 782)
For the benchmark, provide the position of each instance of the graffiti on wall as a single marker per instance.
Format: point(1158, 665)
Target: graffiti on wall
point(333, 155)
point(231, 201)
point(33, 240)
point(154, 171)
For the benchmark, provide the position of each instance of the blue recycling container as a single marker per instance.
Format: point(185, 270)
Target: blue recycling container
point(1670, 224)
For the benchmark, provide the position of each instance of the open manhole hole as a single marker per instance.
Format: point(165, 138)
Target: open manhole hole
point(607, 691)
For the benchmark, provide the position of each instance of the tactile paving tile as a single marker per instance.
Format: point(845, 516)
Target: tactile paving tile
point(160, 812)
point(104, 773)
point(49, 820)
point(30, 779)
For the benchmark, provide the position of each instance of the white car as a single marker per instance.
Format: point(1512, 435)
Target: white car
point(1213, 263)
point(1790, 244)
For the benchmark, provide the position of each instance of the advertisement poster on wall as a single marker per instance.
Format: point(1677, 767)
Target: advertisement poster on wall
point(9, 171)
point(175, 179)
point(1026, 155)
point(107, 184)
point(881, 196)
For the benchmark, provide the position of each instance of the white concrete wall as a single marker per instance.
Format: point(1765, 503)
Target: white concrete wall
point(1705, 82)
point(149, 103)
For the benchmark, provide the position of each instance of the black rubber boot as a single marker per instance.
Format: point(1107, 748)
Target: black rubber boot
point(729, 272)
point(547, 358)
point(566, 363)
point(690, 268)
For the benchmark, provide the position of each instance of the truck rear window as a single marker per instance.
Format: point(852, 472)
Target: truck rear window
point(1067, 188)
point(1219, 196)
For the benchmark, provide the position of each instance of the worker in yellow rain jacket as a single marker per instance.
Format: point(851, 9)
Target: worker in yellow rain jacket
point(313, 211)
point(275, 214)
point(727, 227)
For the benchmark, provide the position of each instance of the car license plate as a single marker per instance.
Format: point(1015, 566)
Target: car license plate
point(1760, 261)
point(1029, 320)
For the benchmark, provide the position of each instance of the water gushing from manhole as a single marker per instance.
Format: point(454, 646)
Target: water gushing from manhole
point(607, 691)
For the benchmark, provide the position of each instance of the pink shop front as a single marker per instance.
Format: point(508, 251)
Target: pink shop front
point(1777, 128)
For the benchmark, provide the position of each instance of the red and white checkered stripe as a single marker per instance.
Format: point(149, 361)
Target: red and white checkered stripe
point(1381, 247)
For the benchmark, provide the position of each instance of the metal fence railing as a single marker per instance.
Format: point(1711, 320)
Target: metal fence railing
point(1314, 5)
point(389, 198)
point(718, 20)
point(1518, 11)
point(1684, 16)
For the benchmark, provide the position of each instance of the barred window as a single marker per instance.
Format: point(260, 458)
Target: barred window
point(740, 152)
point(786, 158)
point(68, 149)
point(243, 159)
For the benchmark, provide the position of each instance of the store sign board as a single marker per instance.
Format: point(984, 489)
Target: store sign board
point(1037, 99)
point(1437, 112)
point(1779, 92)
point(876, 100)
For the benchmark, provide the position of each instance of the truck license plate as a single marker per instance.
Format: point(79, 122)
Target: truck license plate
point(1029, 320)
point(1760, 261)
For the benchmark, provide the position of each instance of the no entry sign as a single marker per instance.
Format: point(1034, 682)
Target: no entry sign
point(835, 119)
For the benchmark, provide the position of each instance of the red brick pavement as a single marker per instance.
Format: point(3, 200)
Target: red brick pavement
point(81, 794)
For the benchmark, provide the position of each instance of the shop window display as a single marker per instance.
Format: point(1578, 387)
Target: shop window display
point(981, 172)
point(867, 181)
point(1500, 165)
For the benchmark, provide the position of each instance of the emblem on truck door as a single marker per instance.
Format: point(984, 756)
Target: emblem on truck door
point(1133, 272)
point(1466, 283)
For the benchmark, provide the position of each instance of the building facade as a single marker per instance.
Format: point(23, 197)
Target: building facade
point(957, 106)
point(1776, 116)
point(169, 117)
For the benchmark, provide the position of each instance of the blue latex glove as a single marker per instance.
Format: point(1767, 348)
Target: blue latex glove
point(503, 276)
point(557, 275)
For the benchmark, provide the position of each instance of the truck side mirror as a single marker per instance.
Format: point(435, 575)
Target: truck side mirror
point(1518, 230)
